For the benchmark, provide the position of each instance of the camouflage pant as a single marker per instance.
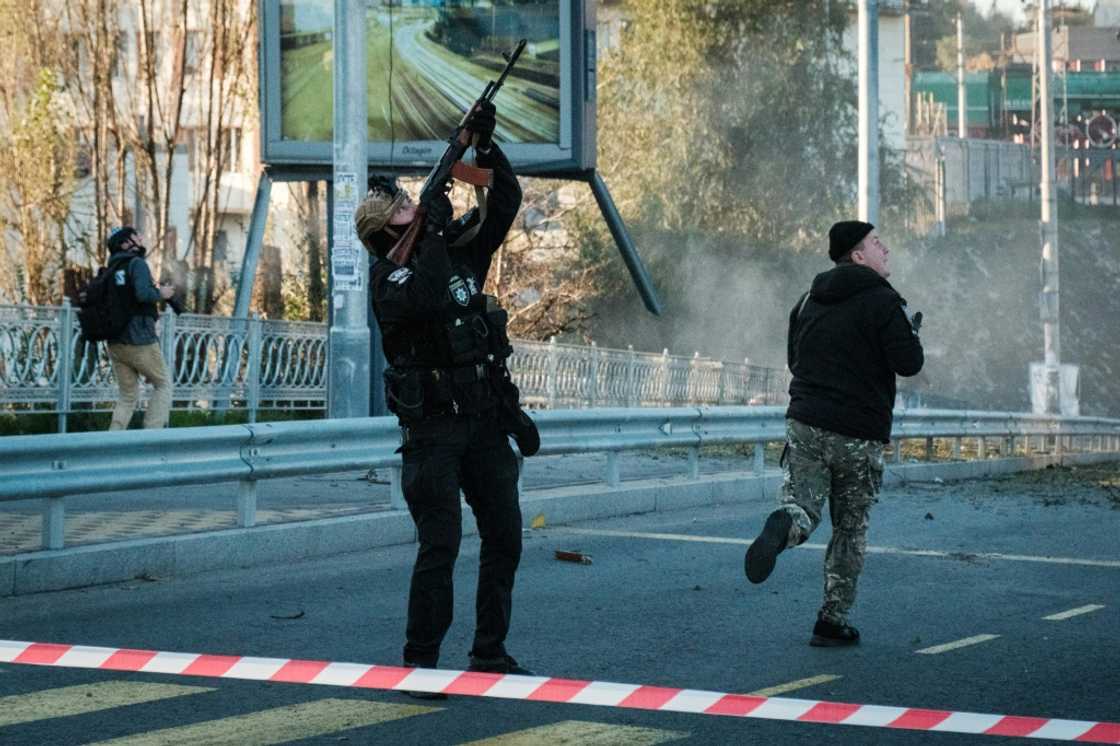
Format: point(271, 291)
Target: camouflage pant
point(848, 472)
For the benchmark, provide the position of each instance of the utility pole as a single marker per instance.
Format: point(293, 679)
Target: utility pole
point(1048, 301)
point(962, 98)
point(348, 381)
point(869, 110)
point(907, 72)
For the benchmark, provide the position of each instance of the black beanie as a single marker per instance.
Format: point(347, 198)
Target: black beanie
point(844, 236)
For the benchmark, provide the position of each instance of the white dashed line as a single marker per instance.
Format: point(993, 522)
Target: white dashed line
point(870, 550)
point(1073, 612)
point(974, 640)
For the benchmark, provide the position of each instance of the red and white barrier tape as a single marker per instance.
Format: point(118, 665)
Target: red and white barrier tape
point(545, 689)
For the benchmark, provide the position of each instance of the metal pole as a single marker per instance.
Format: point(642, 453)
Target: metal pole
point(1049, 308)
point(253, 247)
point(907, 71)
point(869, 110)
point(349, 341)
point(638, 272)
point(962, 99)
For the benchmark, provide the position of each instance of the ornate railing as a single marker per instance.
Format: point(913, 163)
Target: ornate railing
point(253, 364)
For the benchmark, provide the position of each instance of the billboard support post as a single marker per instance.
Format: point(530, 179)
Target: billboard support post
point(349, 338)
point(626, 247)
point(253, 247)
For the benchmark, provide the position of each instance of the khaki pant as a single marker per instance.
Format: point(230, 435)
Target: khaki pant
point(129, 363)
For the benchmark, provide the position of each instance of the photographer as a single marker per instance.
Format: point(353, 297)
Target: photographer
point(135, 351)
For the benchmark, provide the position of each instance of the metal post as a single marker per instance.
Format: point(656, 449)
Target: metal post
point(956, 449)
point(898, 450)
point(593, 374)
point(254, 372)
point(1049, 305)
point(694, 462)
point(962, 98)
point(869, 110)
point(613, 471)
point(54, 522)
point(65, 365)
point(553, 366)
point(638, 272)
point(396, 491)
point(247, 503)
point(349, 359)
point(665, 377)
point(759, 461)
point(631, 377)
point(929, 449)
point(253, 243)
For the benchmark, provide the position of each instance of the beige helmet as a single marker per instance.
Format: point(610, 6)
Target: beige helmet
point(374, 212)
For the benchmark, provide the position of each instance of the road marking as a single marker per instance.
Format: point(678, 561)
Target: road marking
point(1073, 612)
point(84, 698)
point(773, 691)
point(278, 725)
point(581, 732)
point(974, 640)
point(870, 550)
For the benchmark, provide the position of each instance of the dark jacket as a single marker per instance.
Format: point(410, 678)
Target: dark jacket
point(137, 282)
point(413, 303)
point(847, 341)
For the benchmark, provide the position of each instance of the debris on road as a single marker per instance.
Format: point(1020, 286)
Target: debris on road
point(578, 557)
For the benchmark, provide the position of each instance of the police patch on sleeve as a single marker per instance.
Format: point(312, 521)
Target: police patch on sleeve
point(401, 275)
point(459, 291)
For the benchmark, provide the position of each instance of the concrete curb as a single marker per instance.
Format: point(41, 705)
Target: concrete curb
point(189, 554)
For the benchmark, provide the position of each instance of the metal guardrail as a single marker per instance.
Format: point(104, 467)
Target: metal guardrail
point(50, 467)
point(250, 364)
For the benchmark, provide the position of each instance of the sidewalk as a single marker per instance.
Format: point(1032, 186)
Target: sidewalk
point(135, 514)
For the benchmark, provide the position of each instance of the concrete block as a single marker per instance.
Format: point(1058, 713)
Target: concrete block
point(96, 564)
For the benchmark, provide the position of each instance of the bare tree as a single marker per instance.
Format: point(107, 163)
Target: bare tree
point(37, 154)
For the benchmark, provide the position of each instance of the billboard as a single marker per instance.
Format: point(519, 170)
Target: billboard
point(426, 62)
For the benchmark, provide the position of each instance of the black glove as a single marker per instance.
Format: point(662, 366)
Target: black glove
point(438, 213)
point(915, 320)
point(482, 123)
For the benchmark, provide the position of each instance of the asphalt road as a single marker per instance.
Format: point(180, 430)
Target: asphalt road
point(950, 562)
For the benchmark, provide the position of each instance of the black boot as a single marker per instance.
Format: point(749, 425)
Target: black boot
point(764, 551)
point(829, 635)
point(501, 664)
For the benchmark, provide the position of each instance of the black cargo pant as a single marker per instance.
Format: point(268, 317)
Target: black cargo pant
point(440, 457)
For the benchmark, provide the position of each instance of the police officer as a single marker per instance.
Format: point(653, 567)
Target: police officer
point(447, 382)
point(848, 338)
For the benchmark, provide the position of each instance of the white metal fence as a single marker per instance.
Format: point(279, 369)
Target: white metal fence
point(254, 364)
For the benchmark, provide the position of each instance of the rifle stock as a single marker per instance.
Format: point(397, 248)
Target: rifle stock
point(449, 167)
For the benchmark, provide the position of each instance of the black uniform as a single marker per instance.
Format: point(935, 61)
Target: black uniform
point(847, 341)
point(446, 344)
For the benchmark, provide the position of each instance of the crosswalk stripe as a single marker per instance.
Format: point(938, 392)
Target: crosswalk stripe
point(774, 691)
point(277, 725)
point(84, 698)
point(583, 733)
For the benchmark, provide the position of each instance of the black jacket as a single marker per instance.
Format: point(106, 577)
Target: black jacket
point(847, 341)
point(413, 303)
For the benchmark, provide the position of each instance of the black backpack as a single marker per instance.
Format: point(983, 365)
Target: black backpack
point(104, 308)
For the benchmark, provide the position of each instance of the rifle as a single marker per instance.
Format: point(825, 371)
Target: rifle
point(450, 166)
